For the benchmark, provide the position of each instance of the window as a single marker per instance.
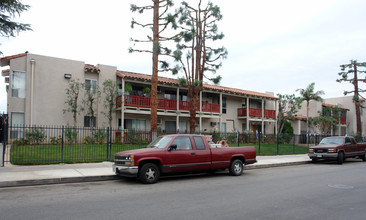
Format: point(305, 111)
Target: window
point(90, 121)
point(171, 95)
point(244, 103)
point(135, 124)
point(90, 84)
point(223, 127)
point(183, 127)
point(200, 145)
point(170, 127)
point(183, 143)
point(18, 84)
point(183, 96)
point(256, 104)
point(223, 105)
point(17, 119)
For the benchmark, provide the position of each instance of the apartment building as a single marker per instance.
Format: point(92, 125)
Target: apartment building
point(346, 116)
point(37, 85)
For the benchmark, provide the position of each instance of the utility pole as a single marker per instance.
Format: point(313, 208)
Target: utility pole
point(347, 69)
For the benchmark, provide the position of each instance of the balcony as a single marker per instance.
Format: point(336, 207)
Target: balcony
point(256, 112)
point(165, 104)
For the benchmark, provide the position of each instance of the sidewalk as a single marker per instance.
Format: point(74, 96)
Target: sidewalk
point(89, 172)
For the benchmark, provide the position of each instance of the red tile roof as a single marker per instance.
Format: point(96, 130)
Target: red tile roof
point(334, 106)
point(91, 68)
point(165, 80)
point(13, 57)
point(5, 60)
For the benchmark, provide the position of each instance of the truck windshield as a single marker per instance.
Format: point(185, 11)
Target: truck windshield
point(160, 142)
point(337, 141)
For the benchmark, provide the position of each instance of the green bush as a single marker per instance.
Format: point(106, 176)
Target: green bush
point(232, 138)
point(20, 142)
point(99, 136)
point(71, 134)
point(35, 136)
point(56, 140)
point(89, 140)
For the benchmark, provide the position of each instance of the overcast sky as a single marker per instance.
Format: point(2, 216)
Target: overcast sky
point(276, 46)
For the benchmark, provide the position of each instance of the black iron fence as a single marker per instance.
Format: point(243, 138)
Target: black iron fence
point(65, 144)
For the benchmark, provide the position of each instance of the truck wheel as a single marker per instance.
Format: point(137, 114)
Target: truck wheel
point(236, 168)
point(314, 160)
point(340, 158)
point(364, 157)
point(149, 173)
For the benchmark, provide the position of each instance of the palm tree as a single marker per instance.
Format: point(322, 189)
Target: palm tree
point(307, 95)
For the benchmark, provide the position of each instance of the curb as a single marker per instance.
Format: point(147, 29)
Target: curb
point(113, 177)
point(252, 167)
point(57, 181)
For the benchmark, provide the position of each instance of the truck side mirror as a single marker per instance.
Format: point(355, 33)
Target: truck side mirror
point(172, 147)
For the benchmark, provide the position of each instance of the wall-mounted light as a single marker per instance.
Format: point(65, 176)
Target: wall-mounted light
point(67, 76)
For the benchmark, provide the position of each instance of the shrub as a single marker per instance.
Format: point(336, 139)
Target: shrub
point(71, 134)
point(232, 138)
point(99, 136)
point(89, 140)
point(35, 136)
point(20, 142)
point(56, 140)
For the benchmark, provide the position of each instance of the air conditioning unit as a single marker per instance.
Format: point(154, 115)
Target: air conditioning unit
point(213, 124)
point(159, 121)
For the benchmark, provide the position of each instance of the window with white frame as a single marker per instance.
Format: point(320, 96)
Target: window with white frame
point(18, 84)
point(90, 84)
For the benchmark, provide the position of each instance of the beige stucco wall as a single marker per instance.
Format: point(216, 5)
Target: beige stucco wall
point(347, 102)
point(49, 89)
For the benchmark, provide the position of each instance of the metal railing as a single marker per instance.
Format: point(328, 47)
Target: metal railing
point(65, 144)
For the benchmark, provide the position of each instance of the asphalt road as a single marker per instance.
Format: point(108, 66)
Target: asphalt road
point(311, 191)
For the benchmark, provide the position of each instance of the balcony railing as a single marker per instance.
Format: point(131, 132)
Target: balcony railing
point(167, 104)
point(256, 112)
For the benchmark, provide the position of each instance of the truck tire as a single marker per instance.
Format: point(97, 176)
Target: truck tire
point(236, 167)
point(364, 157)
point(340, 158)
point(149, 173)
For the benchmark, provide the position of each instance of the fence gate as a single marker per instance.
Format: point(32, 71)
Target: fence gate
point(3, 136)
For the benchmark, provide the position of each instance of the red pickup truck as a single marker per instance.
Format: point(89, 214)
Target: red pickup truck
point(337, 148)
point(181, 153)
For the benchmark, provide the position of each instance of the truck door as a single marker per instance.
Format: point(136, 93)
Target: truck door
point(203, 154)
point(350, 146)
point(181, 157)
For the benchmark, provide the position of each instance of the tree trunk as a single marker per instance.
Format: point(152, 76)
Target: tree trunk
point(193, 97)
point(154, 77)
point(357, 101)
point(307, 122)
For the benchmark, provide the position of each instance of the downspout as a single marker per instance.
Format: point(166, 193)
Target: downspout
point(33, 63)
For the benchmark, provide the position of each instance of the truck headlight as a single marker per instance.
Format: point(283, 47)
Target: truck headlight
point(332, 150)
point(311, 150)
